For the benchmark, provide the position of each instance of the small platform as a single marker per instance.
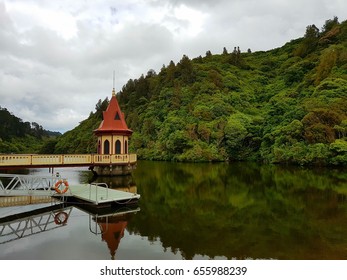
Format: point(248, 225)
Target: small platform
point(101, 196)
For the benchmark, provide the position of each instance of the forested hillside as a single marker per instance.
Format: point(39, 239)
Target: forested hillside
point(287, 105)
point(17, 136)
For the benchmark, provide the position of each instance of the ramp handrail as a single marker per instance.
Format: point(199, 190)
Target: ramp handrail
point(19, 184)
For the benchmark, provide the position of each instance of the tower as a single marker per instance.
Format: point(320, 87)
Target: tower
point(113, 136)
point(113, 133)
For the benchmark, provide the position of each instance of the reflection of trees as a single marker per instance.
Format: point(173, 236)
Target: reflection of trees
point(242, 210)
point(119, 182)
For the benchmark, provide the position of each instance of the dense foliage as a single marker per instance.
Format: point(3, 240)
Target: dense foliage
point(286, 105)
point(17, 136)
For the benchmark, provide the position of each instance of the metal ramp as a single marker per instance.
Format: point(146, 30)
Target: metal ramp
point(27, 185)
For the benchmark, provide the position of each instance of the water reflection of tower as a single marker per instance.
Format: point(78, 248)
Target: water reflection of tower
point(113, 231)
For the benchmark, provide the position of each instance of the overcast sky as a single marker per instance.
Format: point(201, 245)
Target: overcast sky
point(57, 57)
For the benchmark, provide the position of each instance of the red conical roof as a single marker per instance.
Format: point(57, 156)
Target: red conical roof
point(113, 120)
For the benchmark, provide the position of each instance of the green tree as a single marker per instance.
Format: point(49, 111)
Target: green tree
point(326, 64)
point(225, 51)
point(186, 70)
point(330, 24)
point(310, 41)
point(319, 126)
point(236, 133)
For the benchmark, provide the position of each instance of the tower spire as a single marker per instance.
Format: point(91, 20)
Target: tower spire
point(113, 90)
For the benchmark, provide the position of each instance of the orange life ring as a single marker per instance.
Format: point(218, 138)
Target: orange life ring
point(58, 184)
point(60, 218)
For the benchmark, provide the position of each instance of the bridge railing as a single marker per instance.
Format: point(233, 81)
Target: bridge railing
point(15, 160)
point(123, 158)
point(69, 159)
point(77, 159)
point(109, 159)
point(46, 159)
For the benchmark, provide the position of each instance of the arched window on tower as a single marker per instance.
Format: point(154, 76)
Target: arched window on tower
point(99, 147)
point(106, 147)
point(125, 147)
point(118, 147)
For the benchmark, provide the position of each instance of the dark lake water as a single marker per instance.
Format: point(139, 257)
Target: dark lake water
point(195, 211)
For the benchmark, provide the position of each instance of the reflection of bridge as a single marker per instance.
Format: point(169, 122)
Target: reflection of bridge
point(8, 201)
point(110, 225)
point(27, 161)
point(32, 222)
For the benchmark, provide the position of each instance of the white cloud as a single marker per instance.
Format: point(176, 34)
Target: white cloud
point(26, 16)
point(57, 57)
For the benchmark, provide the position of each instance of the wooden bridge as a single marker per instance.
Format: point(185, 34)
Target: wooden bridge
point(104, 164)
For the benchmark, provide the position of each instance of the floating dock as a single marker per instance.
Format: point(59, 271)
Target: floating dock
point(100, 195)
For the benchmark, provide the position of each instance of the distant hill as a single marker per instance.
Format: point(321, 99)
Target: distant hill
point(17, 136)
point(286, 105)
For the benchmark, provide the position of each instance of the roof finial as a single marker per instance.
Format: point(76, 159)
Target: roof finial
point(113, 90)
